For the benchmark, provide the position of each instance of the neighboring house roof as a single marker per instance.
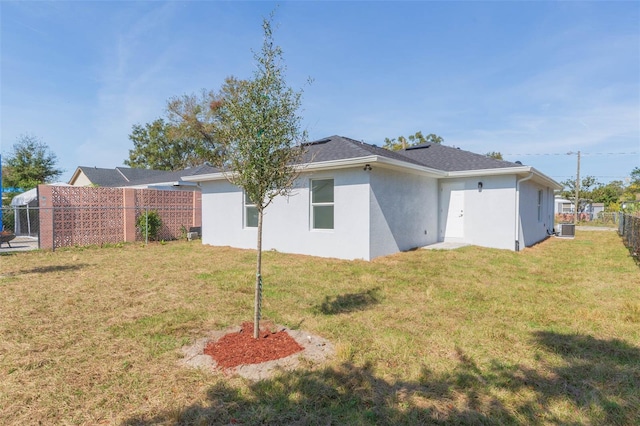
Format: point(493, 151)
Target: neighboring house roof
point(120, 176)
point(172, 177)
point(432, 159)
point(125, 176)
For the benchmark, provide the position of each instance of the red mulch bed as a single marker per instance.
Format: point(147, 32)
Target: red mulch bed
point(241, 348)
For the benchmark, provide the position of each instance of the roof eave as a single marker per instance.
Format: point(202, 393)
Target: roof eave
point(205, 177)
point(371, 160)
point(400, 165)
point(150, 185)
point(522, 170)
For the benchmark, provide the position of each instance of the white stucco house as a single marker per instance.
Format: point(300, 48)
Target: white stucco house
point(353, 200)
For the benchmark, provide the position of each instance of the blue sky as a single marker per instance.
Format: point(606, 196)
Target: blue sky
point(532, 80)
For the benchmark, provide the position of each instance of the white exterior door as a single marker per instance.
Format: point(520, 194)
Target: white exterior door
point(452, 211)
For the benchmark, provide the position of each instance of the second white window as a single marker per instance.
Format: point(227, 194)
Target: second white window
point(322, 204)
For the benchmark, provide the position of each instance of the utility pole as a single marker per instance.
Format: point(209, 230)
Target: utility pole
point(575, 216)
point(1, 204)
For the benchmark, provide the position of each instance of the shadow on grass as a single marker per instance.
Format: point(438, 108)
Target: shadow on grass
point(600, 378)
point(601, 373)
point(342, 395)
point(56, 268)
point(597, 383)
point(349, 302)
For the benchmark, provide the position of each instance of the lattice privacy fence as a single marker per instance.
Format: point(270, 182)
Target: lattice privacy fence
point(79, 216)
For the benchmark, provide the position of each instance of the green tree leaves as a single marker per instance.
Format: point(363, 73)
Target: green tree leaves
point(29, 164)
point(161, 146)
point(396, 144)
point(259, 128)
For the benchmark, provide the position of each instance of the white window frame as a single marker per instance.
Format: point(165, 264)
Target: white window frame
point(540, 204)
point(321, 204)
point(247, 204)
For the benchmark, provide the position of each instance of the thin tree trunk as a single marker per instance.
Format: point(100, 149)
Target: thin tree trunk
point(258, 289)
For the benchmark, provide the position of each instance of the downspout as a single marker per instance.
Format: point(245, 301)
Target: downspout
point(518, 208)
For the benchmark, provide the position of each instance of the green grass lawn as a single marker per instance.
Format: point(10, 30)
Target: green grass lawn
point(550, 335)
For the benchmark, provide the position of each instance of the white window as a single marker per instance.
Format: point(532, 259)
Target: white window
point(322, 204)
point(567, 208)
point(250, 213)
point(540, 198)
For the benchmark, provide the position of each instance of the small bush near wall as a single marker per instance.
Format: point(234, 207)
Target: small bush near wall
point(149, 224)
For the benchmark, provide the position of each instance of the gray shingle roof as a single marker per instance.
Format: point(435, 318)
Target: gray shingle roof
point(451, 159)
point(134, 174)
point(342, 148)
point(104, 177)
point(173, 176)
point(332, 148)
point(430, 155)
point(125, 176)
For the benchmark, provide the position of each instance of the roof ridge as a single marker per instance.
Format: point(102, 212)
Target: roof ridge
point(123, 175)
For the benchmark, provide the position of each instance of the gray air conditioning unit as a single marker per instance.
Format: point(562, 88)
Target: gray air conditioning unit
point(567, 230)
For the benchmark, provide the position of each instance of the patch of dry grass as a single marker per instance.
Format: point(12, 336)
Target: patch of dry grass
point(550, 335)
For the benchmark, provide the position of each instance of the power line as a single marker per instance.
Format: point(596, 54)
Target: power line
point(582, 153)
point(603, 177)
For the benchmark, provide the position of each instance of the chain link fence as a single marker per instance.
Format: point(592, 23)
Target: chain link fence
point(22, 221)
point(629, 229)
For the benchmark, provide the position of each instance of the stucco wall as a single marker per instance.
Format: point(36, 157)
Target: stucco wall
point(379, 212)
point(489, 215)
point(404, 211)
point(532, 229)
point(287, 220)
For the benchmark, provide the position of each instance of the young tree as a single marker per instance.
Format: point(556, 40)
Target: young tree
point(495, 155)
point(29, 164)
point(259, 131)
point(396, 144)
point(161, 146)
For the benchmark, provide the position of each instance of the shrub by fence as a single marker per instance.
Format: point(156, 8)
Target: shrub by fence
point(629, 229)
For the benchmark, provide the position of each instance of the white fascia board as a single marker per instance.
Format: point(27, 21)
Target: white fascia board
point(399, 164)
point(153, 184)
point(371, 160)
point(523, 170)
point(541, 177)
point(489, 172)
point(336, 164)
point(204, 177)
point(340, 164)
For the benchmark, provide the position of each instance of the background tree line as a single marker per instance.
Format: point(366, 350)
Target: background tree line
point(613, 195)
